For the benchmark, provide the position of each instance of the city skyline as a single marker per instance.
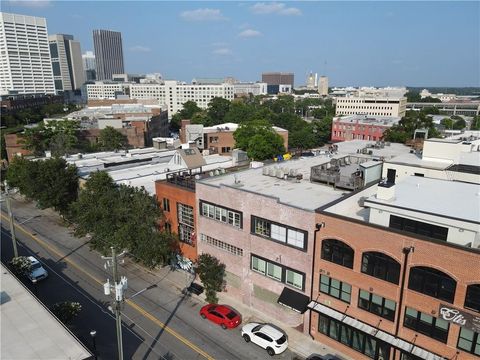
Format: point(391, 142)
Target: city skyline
point(353, 43)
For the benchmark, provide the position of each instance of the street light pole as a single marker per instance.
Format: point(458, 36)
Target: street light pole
point(12, 223)
point(119, 286)
point(118, 299)
point(93, 333)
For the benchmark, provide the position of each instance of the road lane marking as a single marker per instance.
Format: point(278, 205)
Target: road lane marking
point(138, 308)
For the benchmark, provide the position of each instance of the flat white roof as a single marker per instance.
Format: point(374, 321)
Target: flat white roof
point(444, 198)
point(29, 330)
point(304, 194)
point(368, 119)
point(145, 175)
point(387, 152)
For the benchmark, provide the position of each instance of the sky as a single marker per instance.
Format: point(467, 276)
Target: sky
point(359, 43)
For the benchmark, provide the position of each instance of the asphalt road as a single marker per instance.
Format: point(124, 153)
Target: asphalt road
point(160, 323)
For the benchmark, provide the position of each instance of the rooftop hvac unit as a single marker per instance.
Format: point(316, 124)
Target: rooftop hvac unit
point(265, 171)
point(279, 173)
point(217, 172)
point(329, 166)
point(223, 171)
point(347, 161)
point(210, 173)
point(271, 171)
point(292, 172)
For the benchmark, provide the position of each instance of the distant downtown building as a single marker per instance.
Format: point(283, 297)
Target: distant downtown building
point(275, 79)
point(323, 86)
point(373, 101)
point(88, 60)
point(171, 93)
point(108, 53)
point(67, 65)
point(26, 67)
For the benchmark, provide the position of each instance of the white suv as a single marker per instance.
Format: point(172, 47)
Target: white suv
point(267, 336)
point(37, 271)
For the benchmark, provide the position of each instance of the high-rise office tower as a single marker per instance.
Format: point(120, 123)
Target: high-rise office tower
point(311, 80)
point(25, 65)
point(67, 64)
point(108, 53)
point(89, 65)
point(323, 86)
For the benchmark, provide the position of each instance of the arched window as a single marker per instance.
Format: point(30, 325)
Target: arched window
point(432, 282)
point(337, 252)
point(381, 266)
point(472, 299)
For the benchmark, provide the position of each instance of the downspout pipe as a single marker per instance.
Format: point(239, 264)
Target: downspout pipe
point(318, 227)
point(406, 251)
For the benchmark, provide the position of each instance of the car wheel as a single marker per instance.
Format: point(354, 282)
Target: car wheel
point(270, 351)
point(203, 316)
point(246, 338)
point(223, 326)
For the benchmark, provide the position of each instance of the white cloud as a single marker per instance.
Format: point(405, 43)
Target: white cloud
point(140, 48)
point(249, 33)
point(274, 8)
point(30, 3)
point(222, 51)
point(202, 15)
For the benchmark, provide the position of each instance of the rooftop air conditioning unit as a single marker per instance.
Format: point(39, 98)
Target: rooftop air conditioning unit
point(265, 171)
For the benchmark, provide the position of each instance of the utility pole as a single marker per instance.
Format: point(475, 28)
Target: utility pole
point(119, 287)
point(12, 224)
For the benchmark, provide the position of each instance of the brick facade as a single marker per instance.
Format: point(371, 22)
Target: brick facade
point(461, 264)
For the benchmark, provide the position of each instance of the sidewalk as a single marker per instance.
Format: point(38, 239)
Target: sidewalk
point(300, 343)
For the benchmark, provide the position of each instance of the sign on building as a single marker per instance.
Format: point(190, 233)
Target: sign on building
point(459, 317)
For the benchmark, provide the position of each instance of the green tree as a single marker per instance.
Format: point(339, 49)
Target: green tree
point(121, 216)
point(189, 109)
point(21, 265)
point(111, 139)
point(475, 123)
point(240, 112)
point(265, 145)
point(212, 273)
point(66, 311)
point(246, 131)
point(36, 139)
point(64, 137)
point(58, 184)
point(23, 174)
point(217, 109)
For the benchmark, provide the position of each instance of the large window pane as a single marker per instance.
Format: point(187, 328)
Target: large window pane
point(279, 233)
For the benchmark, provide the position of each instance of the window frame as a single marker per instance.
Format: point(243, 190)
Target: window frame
point(474, 342)
point(340, 288)
point(419, 280)
point(469, 301)
point(232, 217)
point(284, 271)
point(267, 233)
point(418, 227)
point(337, 245)
point(429, 329)
point(378, 258)
point(371, 302)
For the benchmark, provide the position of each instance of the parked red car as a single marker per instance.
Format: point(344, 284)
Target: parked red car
point(223, 315)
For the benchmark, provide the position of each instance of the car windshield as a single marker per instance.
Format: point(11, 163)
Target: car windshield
point(256, 328)
point(36, 266)
point(231, 315)
point(282, 340)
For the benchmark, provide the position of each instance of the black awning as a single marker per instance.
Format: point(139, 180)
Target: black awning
point(293, 300)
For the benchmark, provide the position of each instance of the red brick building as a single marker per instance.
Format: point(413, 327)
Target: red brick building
point(378, 291)
point(176, 196)
point(361, 127)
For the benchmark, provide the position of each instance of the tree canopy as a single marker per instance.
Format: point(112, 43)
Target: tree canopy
point(60, 137)
point(123, 217)
point(111, 139)
point(259, 140)
point(406, 127)
point(52, 182)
